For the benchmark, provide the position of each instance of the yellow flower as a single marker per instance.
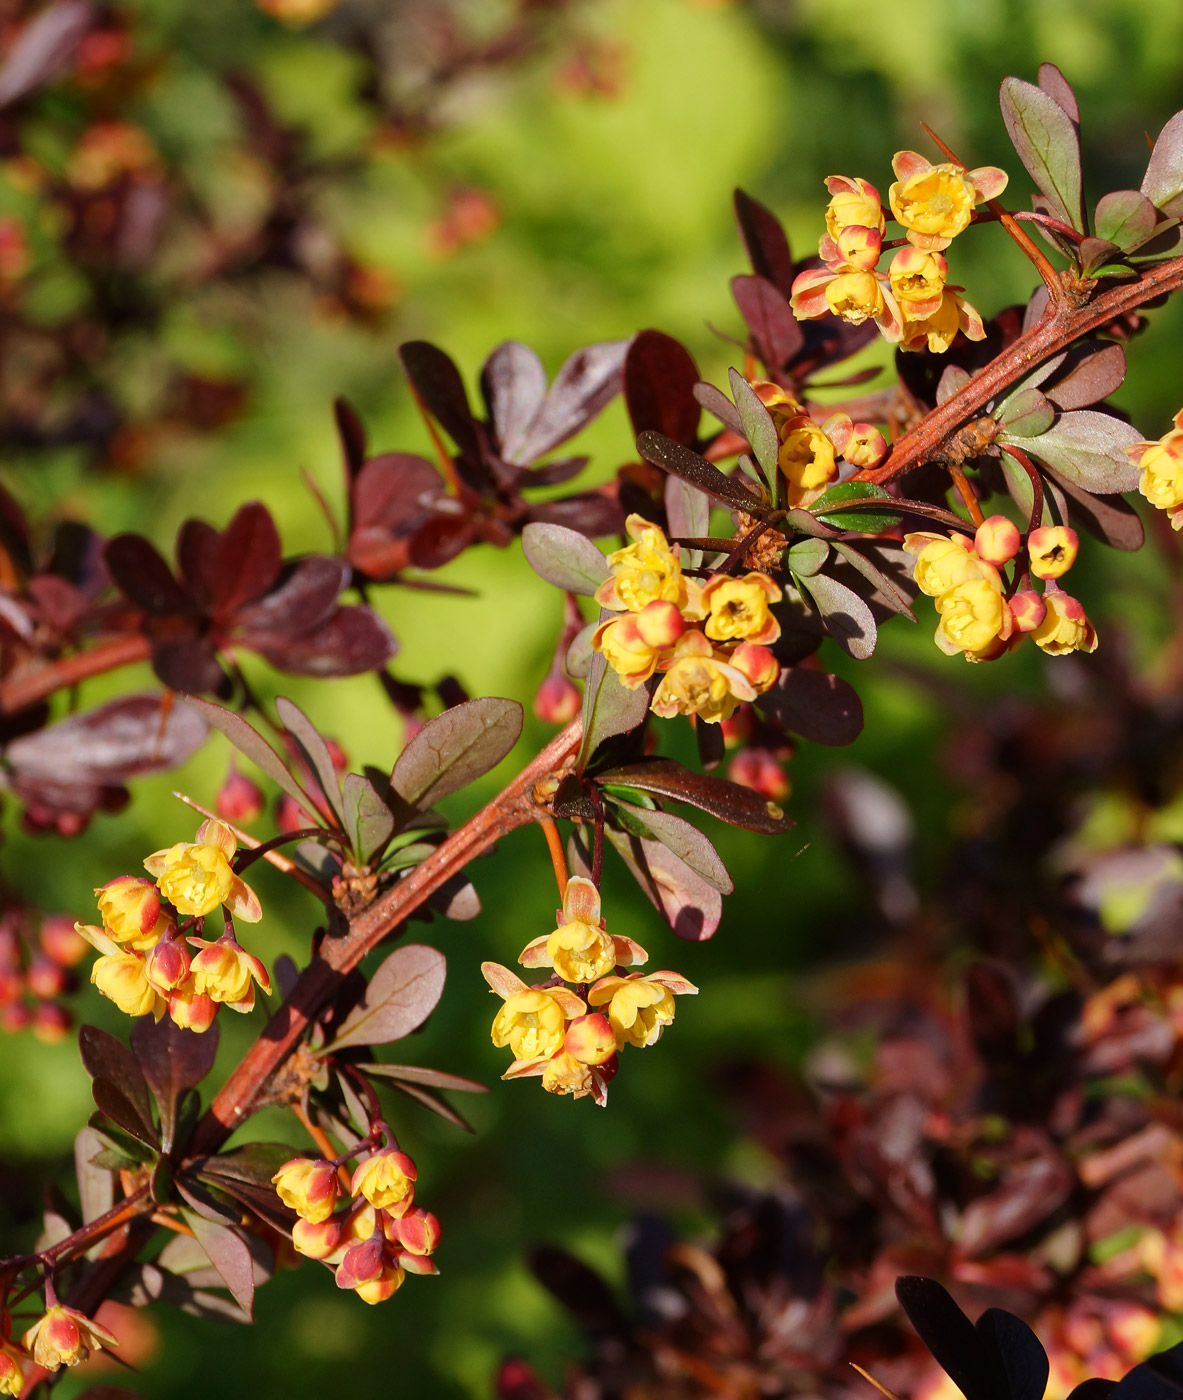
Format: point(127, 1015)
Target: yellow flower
point(190, 1009)
point(739, 608)
point(938, 331)
point(853, 201)
point(131, 911)
point(386, 1179)
point(533, 1020)
point(12, 1369)
point(700, 681)
point(806, 458)
point(626, 651)
point(1065, 627)
point(227, 973)
point(310, 1187)
point(196, 876)
point(935, 203)
point(646, 571)
point(580, 949)
point(942, 562)
point(64, 1337)
point(855, 296)
point(974, 617)
point(640, 1008)
point(1161, 464)
point(123, 978)
point(1052, 550)
point(385, 1285)
point(918, 281)
point(564, 1074)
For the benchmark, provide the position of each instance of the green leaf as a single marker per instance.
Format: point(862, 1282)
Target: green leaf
point(807, 556)
point(1047, 142)
point(1163, 182)
point(1088, 449)
point(1126, 218)
point(456, 748)
point(829, 503)
point(1026, 414)
point(564, 557)
point(369, 822)
point(400, 996)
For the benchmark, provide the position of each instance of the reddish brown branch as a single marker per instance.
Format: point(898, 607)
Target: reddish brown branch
point(33, 682)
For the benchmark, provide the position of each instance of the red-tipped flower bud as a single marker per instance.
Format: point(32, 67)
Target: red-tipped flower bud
point(239, 800)
point(757, 663)
point(1028, 610)
point(308, 1186)
point(557, 699)
point(660, 624)
point(418, 1231)
point(46, 979)
point(997, 540)
point(61, 942)
point(590, 1039)
point(758, 770)
point(50, 1023)
point(1053, 550)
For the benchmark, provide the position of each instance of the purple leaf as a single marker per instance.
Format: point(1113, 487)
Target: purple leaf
point(609, 708)
point(367, 820)
point(680, 461)
point(252, 745)
point(197, 559)
point(688, 514)
point(816, 705)
point(417, 1074)
point(1087, 448)
point(1093, 373)
point(248, 558)
point(684, 840)
point(591, 513)
point(846, 616)
point(172, 1060)
point(439, 385)
point(227, 1252)
point(393, 491)
point(1126, 218)
point(304, 600)
point(140, 573)
point(351, 430)
point(110, 743)
point(588, 381)
point(775, 330)
point(730, 802)
point(564, 557)
point(400, 996)
point(716, 402)
point(43, 48)
point(455, 748)
point(659, 379)
point(1047, 142)
point(513, 383)
point(758, 427)
point(1029, 1192)
point(1056, 85)
point(435, 1104)
point(886, 588)
point(951, 1337)
point(351, 642)
point(254, 1163)
point(690, 906)
point(1163, 182)
point(765, 241)
point(1100, 258)
point(133, 1117)
point(313, 750)
point(1017, 1347)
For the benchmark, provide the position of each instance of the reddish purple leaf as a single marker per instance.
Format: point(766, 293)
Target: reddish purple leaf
point(690, 906)
point(659, 379)
point(352, 433)
point(683, 839)
point(1056, 85)
point(765, 241)
point(439, 385)
point(141, 575)
point(227, 1252)
point(351, 642)
point(1091, 373)
point(513, 384)
point(400, 996)
point(455, 748)
point(730, 802)
point(197, 559)
point(954, 1342)
point(680, 461)
point(816, 705)
point(172, 1060)
point(305, 599)
point(103, 1057)
point(248, 558)
point(589, 380)
point(775, 330)
point(1163, 181)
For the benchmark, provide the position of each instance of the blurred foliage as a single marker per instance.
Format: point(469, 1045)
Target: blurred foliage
point(613, 213)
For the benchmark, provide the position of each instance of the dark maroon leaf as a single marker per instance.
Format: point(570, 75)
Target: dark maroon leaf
point(513, 383)
point(304, 600)
point(351, 642)
point(1163, 182)
point(765, 241)
point(1110, 518)
point(352, 433)
point(1056, 85)
point(659, 379)
point(758, 427)
point(775, 330)
point(588, 381)
point(992, 1007)
point(43, 48)
point(255, 1163)
point(564, 557)
point(816, 705)
point(173, 1060)
point(886, 588)
point(391, 494)
point(1018, 1348)
point(197, 559)
point(438, 1106)
point(252, 745)
point(555, 473)
point(580, 1290)
point(313, 750)
point(592, 513)
point(440, 539)
point(1158, 1378)
point(951, 1337)
point(133, 1117)
point(716, 402)
point(417, 1074)
point(1096, 1388)
point(103, 1057)
point(455, 748)
point(228, 1253)
point(439, 385)
point(145, 1283)
point(141, 575)
point(684, 840)
point(111, 743)
point(401, 995)
point(680, 461)
point(1091, 373)
point(710, 742)
point(730, 802)
point(248, 558)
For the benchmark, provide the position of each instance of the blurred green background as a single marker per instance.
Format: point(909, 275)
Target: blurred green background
point(614, 215)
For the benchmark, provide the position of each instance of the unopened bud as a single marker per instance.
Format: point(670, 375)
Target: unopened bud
point(997, 540)
point(418, 1231)
point(660, 624)
point(758, 770)
point(557, 699)
point(757, 663)
point(15, 1017)
point(50, 1023)
point(1028, 610)
point(590, 1039)
point(317, 1239)
point(61, 941)
point(46, 979)
point(167, 965)
point(309, 1186)
point(239, 800)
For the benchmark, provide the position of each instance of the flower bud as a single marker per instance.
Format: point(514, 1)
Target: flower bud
point(317, 1239)
point(1028, 610)
point(757, 663)
point(190, 1009)
point(12, 985)
point(997, 540)
point(61, 942)
point(738, 727)
point(590, 1039)
point(866, 447)
point(167, 965)
point(239, 800)
point(758, 770)
point(386, 1180)
point(388, 1282)
point(557, 699)
point(45, 979)
point(15, 1017)
point(309, 1186)
point(417, 1232)
point(363, 1262)
point(1052, 549)
point(64, 1337)
point(50, 1023)
point(131, 911)
point(12, 1369)
point(660, 624)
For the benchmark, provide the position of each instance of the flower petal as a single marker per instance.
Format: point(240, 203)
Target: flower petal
point(243, 902)
point(505, 983)
point(534, 954)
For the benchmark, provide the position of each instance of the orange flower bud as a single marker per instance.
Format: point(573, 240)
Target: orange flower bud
point(757, 664)
point(363, 1262)
point(50, 1023)
point(660, 624)
point(64, 1337)
point(1052, 550)
point(853, 201)
point(167, 966)
point(239, 800)
point(418, 1231)
point(44, 978)
point(387, 1283)
point(1028, 610)
point(557, 700)
point(590, 1039)
point(997, 540)
point(309, 1186)
point(12, 1369)
point(625, 650)
point(61, 941)
point(758, 770)
point(386, 1179)
point(190, 1009)
point(317, 1239)
point(131, 911)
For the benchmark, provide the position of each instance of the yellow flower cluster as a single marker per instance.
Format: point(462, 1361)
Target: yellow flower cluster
point(1161, 464)
point(808, 452)
point(62, 1336)
point(378, 1237)
point(145, 967)
point(912, 302)
point(978, 617)
point(550, 1029)
point(706, 671)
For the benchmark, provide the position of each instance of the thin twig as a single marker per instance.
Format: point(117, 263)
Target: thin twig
point(558, 860)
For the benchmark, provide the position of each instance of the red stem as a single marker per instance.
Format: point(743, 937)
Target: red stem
point(33, 682)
